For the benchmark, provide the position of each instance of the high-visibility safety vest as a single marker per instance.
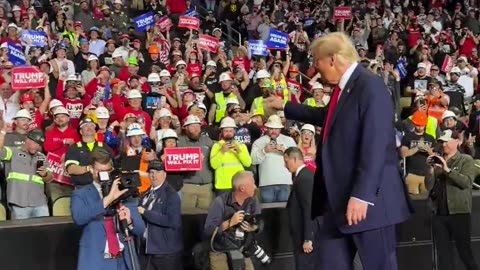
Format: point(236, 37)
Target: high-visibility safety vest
point(142, 170)
point(228, 163)
point(312, 103)
point(258, 102)
point(221, 106)
point(283, 86)
point(431, 128)
point(25, 187)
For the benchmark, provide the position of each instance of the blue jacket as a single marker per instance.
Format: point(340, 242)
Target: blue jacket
point(359, 157)
point(164, 222)
point(111, 139)
point(87, 211)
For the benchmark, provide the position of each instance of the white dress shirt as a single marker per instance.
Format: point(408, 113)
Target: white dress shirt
point(299, 169)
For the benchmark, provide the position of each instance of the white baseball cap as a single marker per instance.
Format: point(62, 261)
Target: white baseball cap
point(421, 65)
point(92, 58)
point(308, 127)
point(211, 64)
point(134, 93)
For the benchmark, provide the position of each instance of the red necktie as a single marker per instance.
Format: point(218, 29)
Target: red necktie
point(331, 109)
point(112, 239)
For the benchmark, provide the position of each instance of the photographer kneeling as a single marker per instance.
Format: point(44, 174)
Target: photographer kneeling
point(453, 175)
point(101, 216)
point(231, 223)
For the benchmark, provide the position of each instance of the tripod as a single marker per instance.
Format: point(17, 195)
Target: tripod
point(128, 240)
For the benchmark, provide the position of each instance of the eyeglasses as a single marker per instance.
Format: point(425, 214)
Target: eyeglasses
point(434, 69)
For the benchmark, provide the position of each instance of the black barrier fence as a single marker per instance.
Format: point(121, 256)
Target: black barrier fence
point(52, 243)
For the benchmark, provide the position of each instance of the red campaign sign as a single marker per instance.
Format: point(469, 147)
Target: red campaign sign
point(27, 77)
point(342, 13)
point(208, 43)
point(189, 22)
point(183, 159)
point(58, 169)
point(164, 23)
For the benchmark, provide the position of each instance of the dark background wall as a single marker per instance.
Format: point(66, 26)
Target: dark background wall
point(52, 243)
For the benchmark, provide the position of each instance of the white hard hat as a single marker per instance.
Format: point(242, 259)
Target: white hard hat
point(116, 54)
point(102, 113)
point(274, 121)
point(134, 129)
point(134, 93)
point(180, 62)
point(16, 8)
point(92, 57)
point(165, 113)
point(455, 70)
point(211, 64)
point(199, 104)
point(317, 85)
point(153, 77)
point(169, 134)
point(4, 45)
point(118, 2)
point(54, 103)
point(228, 122)
point(192, 119)
point(72, 77)
point(12, 25)
point(165, 73)
point(448, 114)
point(60, 110)
point(225, 76)
point(23, 114)
point(262, 74)
point(231, 101)
point(308, 127)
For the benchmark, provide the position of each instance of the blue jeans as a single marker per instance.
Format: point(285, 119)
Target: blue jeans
point(275, 193)
point(29, 212)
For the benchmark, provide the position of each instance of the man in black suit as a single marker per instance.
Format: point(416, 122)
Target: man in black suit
point(299, 209)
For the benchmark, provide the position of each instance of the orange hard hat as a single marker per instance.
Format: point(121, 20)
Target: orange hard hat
point(419, 118)
point(153, 49)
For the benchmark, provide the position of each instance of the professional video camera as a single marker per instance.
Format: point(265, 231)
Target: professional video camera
point(128, 180)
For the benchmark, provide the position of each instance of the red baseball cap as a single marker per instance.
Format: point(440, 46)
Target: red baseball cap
point(26, 97)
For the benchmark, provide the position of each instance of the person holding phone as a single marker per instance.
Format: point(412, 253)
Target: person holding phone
point(28, 172)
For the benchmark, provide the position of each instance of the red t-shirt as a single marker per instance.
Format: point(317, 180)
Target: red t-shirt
point(413, 35)
point(242, 62)
point(177, 6)
point(467, 47)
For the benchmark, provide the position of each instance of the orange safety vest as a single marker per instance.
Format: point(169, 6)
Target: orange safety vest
point(434, 109)
point(142, 171)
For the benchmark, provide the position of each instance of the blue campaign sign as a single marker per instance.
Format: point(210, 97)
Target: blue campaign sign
point(15, 54)
point(191, 13)
point(277, 39)
point(39, 39)
point(257, 47)
point(144, 21)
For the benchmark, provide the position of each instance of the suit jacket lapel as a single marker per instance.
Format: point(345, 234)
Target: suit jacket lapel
point(344, 95)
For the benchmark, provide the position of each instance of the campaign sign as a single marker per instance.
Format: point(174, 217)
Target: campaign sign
point(15, 54)
point(189, 22)
point(183, 159)
point(208, 43)
point(38, 39)
point(191, 13)
point(277, 39)
point(164, 23)
point(58, 169)
point(342, 13)
point(257, 47)
point(27, 77)
point(144, 21)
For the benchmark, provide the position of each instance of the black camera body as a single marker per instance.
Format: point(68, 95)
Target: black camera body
point(128, 180)
point(434, 160)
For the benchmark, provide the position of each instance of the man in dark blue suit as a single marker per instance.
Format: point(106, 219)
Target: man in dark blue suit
point(358, 187)
point(101, 247)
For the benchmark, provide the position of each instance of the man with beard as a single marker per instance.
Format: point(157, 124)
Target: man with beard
point(77, 158)
point(247, 131)
point(419, 83)
point(21, 122)
point(456, 91)
point(228, 157)
point(432, 128)
point(106, 59)
point(57, 140)
point(197, 188)
point(416, 147)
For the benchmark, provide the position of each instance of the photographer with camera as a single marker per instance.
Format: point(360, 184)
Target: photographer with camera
point(231, 225)
point(452, 175)
point(100, 213)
